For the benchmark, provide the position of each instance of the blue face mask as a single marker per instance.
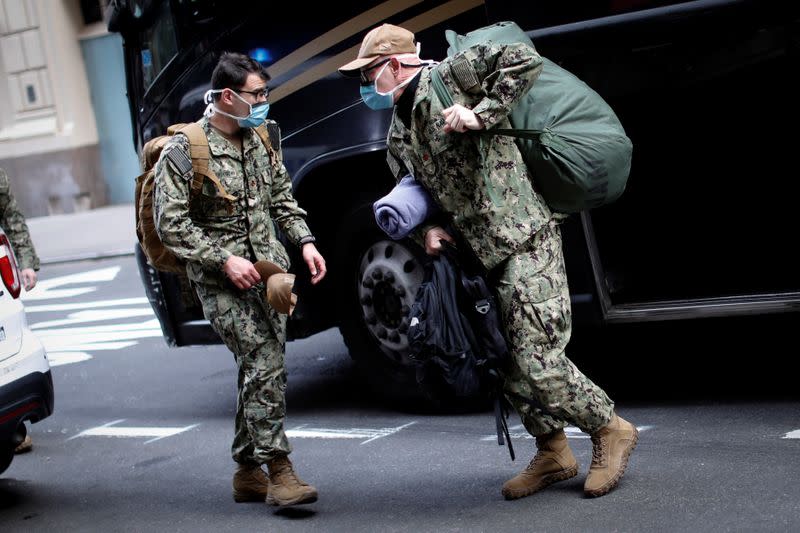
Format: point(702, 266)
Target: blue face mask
point(256, 117)
point(376, 100)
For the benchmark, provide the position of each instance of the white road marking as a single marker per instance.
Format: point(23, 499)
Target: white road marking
point(85, 305)
point(66, 358)
point(98, 346)
point(72, 345)
point(46, 289)
point(94, 315)
point(147, 324)
point(792, 434)
point(303, 432)
point(112, 430)
point(519, 432)
point(66, 338)
point(90, 276)
point(57, 293)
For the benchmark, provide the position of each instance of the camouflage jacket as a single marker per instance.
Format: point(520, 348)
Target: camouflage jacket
point(13, 223)
point(207, 229)
point(480, 181)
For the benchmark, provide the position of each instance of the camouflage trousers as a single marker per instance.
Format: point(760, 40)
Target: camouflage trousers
point(534, 300)
point(256, 334)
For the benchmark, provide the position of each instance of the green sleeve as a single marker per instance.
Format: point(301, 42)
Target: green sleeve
point(284, 209)
point(508, 73)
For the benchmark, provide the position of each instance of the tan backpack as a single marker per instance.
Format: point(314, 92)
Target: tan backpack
point(157, 254)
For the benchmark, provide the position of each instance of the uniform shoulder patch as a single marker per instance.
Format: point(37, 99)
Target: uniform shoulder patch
point(464, 73)
point(180, 162)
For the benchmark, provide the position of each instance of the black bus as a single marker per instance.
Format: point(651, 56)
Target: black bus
point(706, 90)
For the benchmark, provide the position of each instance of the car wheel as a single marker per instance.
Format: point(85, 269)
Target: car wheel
point(378, 280)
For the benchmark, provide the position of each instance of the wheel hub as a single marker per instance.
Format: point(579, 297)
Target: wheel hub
point(389, 276)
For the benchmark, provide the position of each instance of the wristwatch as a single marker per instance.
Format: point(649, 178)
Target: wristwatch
point(307, 239)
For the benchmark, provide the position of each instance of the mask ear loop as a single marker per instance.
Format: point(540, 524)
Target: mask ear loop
point(209, 101)
point(211, 108)
point(426, 62)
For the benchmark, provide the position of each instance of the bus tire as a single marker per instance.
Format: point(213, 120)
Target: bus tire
point(378, 279)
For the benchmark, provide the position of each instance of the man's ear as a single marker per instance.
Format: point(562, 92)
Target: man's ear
point(226, 97)
point(395, 65)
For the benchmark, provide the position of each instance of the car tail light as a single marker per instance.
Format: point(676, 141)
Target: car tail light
point(8, 267)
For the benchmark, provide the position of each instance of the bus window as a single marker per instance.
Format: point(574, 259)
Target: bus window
point(158, 45)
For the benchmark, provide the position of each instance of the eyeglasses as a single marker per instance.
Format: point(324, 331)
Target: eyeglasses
point(365, 79)
point(260, 93)
point(363, 72)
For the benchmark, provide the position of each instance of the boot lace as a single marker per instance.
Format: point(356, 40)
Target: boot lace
point(599, 450)
point(285, 475)
point(539, 457)
point(536, 460)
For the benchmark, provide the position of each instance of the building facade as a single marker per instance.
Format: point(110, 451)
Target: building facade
point(65, 137)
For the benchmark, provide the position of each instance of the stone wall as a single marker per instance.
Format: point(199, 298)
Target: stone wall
point(59, 182)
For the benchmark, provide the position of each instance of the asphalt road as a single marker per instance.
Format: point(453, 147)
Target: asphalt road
point(140, 439)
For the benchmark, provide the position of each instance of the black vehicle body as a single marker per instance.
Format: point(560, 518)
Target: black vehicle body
point(705, 90)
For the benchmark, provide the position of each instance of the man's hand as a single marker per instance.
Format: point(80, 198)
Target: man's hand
point(459, 118)
point(28, 278)
point(315, 262)
point(432, 240)
point(241, 272)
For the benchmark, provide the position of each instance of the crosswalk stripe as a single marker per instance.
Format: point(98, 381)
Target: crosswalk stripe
point(94, 315)
point(112, 430)
point(66, 358)
point(303, 432)
point(47, 308)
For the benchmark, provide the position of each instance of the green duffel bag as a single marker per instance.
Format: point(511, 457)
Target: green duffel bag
point(573, 144)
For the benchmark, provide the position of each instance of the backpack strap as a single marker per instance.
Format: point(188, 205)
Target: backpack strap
point(270, 137)
point(263, 134)
point(201, 157)
point(440, 88)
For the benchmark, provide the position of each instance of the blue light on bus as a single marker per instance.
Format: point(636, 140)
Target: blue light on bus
point(262, 55)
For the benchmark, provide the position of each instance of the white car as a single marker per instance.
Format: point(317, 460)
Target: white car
point(26, 386)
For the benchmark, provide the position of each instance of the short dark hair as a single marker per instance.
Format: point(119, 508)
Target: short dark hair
point(232, 70)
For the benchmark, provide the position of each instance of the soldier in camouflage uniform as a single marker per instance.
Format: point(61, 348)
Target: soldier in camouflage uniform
point(492, 208)
point(13, 223)
point(220, 240)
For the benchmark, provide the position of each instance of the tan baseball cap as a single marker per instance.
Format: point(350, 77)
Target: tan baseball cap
point(384, 40)
point(279, 285)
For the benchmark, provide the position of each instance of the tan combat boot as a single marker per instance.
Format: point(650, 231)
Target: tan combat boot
point(553, 462)
point(285, 488)
point(25, 446)
point(250, 483)
point(611, 447)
